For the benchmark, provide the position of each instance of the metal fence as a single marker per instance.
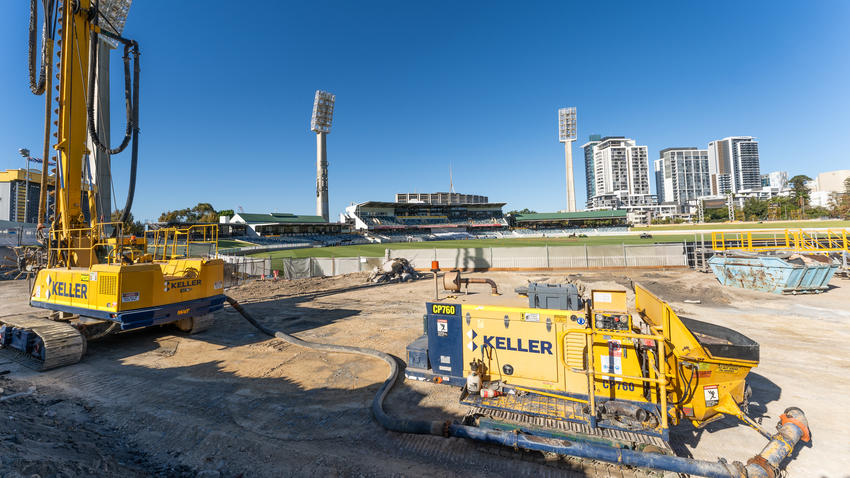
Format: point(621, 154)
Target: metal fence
point(541, 258)
point(18, 236)
point(239, 268)
point(485, 258)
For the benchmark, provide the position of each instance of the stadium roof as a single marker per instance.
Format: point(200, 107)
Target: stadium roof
point(415, 204)
point(568, 216)
point(279, 218)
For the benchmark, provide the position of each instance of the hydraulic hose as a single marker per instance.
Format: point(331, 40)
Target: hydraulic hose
point(794, 427)
point(130, 99)
point(131, 103)
point(38, 86)
point(419, 427)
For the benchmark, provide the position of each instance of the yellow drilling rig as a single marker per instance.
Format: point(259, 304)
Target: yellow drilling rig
point(95, 278)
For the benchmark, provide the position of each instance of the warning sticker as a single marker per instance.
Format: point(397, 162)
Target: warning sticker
point(712, 396)
point(531, 317)
point(615, 348)
point(442, 327)
point(609, 364)
point(130, 297)
point(37, 292)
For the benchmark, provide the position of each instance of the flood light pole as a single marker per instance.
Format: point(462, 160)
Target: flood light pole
point(566, 135)
point(323, 113)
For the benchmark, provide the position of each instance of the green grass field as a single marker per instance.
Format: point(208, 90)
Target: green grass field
point(229, 243)
point(747, 225)
point(377, 250)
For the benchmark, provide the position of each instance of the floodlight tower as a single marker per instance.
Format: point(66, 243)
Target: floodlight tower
point(566, 135)
point(323, 114)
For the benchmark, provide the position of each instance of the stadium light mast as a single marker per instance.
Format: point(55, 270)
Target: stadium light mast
point(566, 135)
point(323, 114)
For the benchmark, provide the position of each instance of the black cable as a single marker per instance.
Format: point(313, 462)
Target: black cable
point(131, 107)
point(422, 427)
point(131, 103)
point(134, 154)
point(37, 86)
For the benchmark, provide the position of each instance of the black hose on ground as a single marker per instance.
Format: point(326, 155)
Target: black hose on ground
point(420, 427)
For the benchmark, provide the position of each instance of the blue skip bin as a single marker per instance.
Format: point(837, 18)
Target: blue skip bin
point(792, 274)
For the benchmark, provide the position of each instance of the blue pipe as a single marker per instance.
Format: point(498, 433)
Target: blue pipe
point(596, 452)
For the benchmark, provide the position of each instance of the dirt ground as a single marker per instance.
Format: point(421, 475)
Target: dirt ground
point(229, 402)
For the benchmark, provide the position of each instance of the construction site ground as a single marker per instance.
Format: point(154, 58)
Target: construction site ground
point(232, 402)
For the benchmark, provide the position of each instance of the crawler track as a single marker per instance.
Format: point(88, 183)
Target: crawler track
point(63, 344)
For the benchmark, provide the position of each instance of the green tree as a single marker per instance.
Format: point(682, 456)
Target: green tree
point(202, 212)
point(755, 209)
point(840, 202)
point(130, 226)
point(798, 186)
point(226, 212)
point(523, 211)
point(717, 214)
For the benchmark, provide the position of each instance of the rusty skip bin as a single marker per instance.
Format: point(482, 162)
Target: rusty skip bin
point(777, 273)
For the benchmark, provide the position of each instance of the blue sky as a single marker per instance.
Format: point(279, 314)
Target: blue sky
point(227, 91)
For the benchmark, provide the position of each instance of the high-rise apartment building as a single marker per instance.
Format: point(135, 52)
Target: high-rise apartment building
point(589, 169)
point(684, 174)
point(775, 179)
point(734, 164)
point(658, 168)
point(620, 166)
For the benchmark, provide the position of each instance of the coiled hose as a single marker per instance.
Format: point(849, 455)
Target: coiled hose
point(419, 427)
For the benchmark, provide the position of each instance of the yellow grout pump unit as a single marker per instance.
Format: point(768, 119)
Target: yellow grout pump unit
point(588, 369)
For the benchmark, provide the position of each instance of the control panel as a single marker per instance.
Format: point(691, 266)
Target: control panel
point(612, 321)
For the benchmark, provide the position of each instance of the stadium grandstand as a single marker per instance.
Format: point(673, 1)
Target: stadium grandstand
point(285, 228)
point(441, 215)
point(614, 218)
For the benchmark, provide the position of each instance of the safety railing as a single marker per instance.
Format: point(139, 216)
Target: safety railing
point(86, 246)
point(174, 243)
point(590, 338)
point(817, 241)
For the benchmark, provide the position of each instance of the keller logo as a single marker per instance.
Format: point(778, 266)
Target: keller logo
point(181, 284)
point(518, 345)
point(472, 346)
point(67, 289)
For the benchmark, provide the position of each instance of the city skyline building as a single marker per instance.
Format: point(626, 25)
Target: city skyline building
point(734, 164)
point(775, 179)
point(589, 168)
point(620, 167)
point(684, 174)
point(658, 168)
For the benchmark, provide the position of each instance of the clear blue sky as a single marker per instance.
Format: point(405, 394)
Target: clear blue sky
point(227, 90)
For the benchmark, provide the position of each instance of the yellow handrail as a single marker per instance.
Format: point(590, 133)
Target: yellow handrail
point(794, 240)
